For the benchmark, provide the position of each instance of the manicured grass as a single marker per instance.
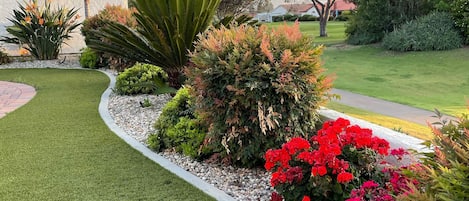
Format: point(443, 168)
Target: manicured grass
point(335, 31)
point(56, 147)
point(409, 128)
point(428, 80)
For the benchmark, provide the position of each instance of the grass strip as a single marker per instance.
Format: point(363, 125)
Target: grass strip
point(406, 127)
point(335, 31)
point(56, 147)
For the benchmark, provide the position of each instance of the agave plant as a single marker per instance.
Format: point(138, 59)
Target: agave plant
point(165, 33)
point(40, 29)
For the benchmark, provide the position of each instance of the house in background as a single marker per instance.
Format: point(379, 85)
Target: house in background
point(295, 9)
point(303, 9)
point(341, 5)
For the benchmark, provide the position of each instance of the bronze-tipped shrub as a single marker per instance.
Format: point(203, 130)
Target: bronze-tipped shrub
point(448, 165)
point(256, 87)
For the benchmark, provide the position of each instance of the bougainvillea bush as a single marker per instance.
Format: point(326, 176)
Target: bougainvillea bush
point(341, 162)
point(256, 87)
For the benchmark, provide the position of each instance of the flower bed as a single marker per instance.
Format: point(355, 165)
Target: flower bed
point(332, 164)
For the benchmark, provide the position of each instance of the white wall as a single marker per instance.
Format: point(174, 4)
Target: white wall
point(279, 10)
point(312, 11)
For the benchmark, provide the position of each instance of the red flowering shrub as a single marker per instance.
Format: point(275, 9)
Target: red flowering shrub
point(337, 159)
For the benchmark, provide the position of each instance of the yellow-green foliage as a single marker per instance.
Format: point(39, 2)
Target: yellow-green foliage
point(141, 79)
point(88, 58)
point(179, 127)
point(256, 87)
point(4, 58)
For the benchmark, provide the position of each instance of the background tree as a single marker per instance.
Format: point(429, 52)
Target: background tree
point(374, 18)
point(460, 12)
point(323, 8)
point(87, 8)
point(263, 6)
point(233, 7)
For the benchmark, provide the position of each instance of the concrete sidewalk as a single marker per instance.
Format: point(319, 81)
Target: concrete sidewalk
point(387, 108)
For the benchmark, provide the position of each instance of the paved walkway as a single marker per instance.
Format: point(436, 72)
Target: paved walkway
point(13, 96)
point(387, 108)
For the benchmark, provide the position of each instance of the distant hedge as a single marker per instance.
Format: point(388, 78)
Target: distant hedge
point(434, 31)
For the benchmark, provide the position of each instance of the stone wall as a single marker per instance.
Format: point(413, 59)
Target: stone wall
point(74, 44)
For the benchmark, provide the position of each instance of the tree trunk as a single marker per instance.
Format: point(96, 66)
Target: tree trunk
point(87, 8)
point(322, 27)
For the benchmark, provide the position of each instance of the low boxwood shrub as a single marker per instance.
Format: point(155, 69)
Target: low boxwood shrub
point(88, 58)
point(308, 18)
point(434, 31)
point(4, 59)
point(256, 88)
point(179, 127)
point(141, 79)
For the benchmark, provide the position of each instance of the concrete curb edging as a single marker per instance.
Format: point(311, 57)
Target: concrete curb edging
point(163, 162)
point(395, 139)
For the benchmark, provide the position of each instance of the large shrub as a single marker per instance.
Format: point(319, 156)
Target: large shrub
point(97, 22)
point(179, 127)
point(256, 87)
point(141, 79)
point(374, 18)
point(434, 31)
point(41, 29)
point(166, 31)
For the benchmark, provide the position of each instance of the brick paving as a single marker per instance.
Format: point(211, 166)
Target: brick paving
point(13, 96)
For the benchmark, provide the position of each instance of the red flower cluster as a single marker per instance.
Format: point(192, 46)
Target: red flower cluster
point(322, 154)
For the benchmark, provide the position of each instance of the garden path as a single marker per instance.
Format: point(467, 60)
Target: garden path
point(387, 108)
point(13, 96)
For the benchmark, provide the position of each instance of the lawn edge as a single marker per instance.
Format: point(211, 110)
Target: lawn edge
point(163, 162)
point(395, 139)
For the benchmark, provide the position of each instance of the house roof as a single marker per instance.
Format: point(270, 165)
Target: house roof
point(342, 5)
point(297, 8)
point(302, 8)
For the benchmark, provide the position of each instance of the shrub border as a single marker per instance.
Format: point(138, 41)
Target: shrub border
point(163, 162)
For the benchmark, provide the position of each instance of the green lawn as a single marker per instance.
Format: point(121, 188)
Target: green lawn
point(57, 147)
point(428, 80)
point(335, 30)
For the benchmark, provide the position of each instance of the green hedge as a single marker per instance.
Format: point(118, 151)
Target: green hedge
point(434, 31)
